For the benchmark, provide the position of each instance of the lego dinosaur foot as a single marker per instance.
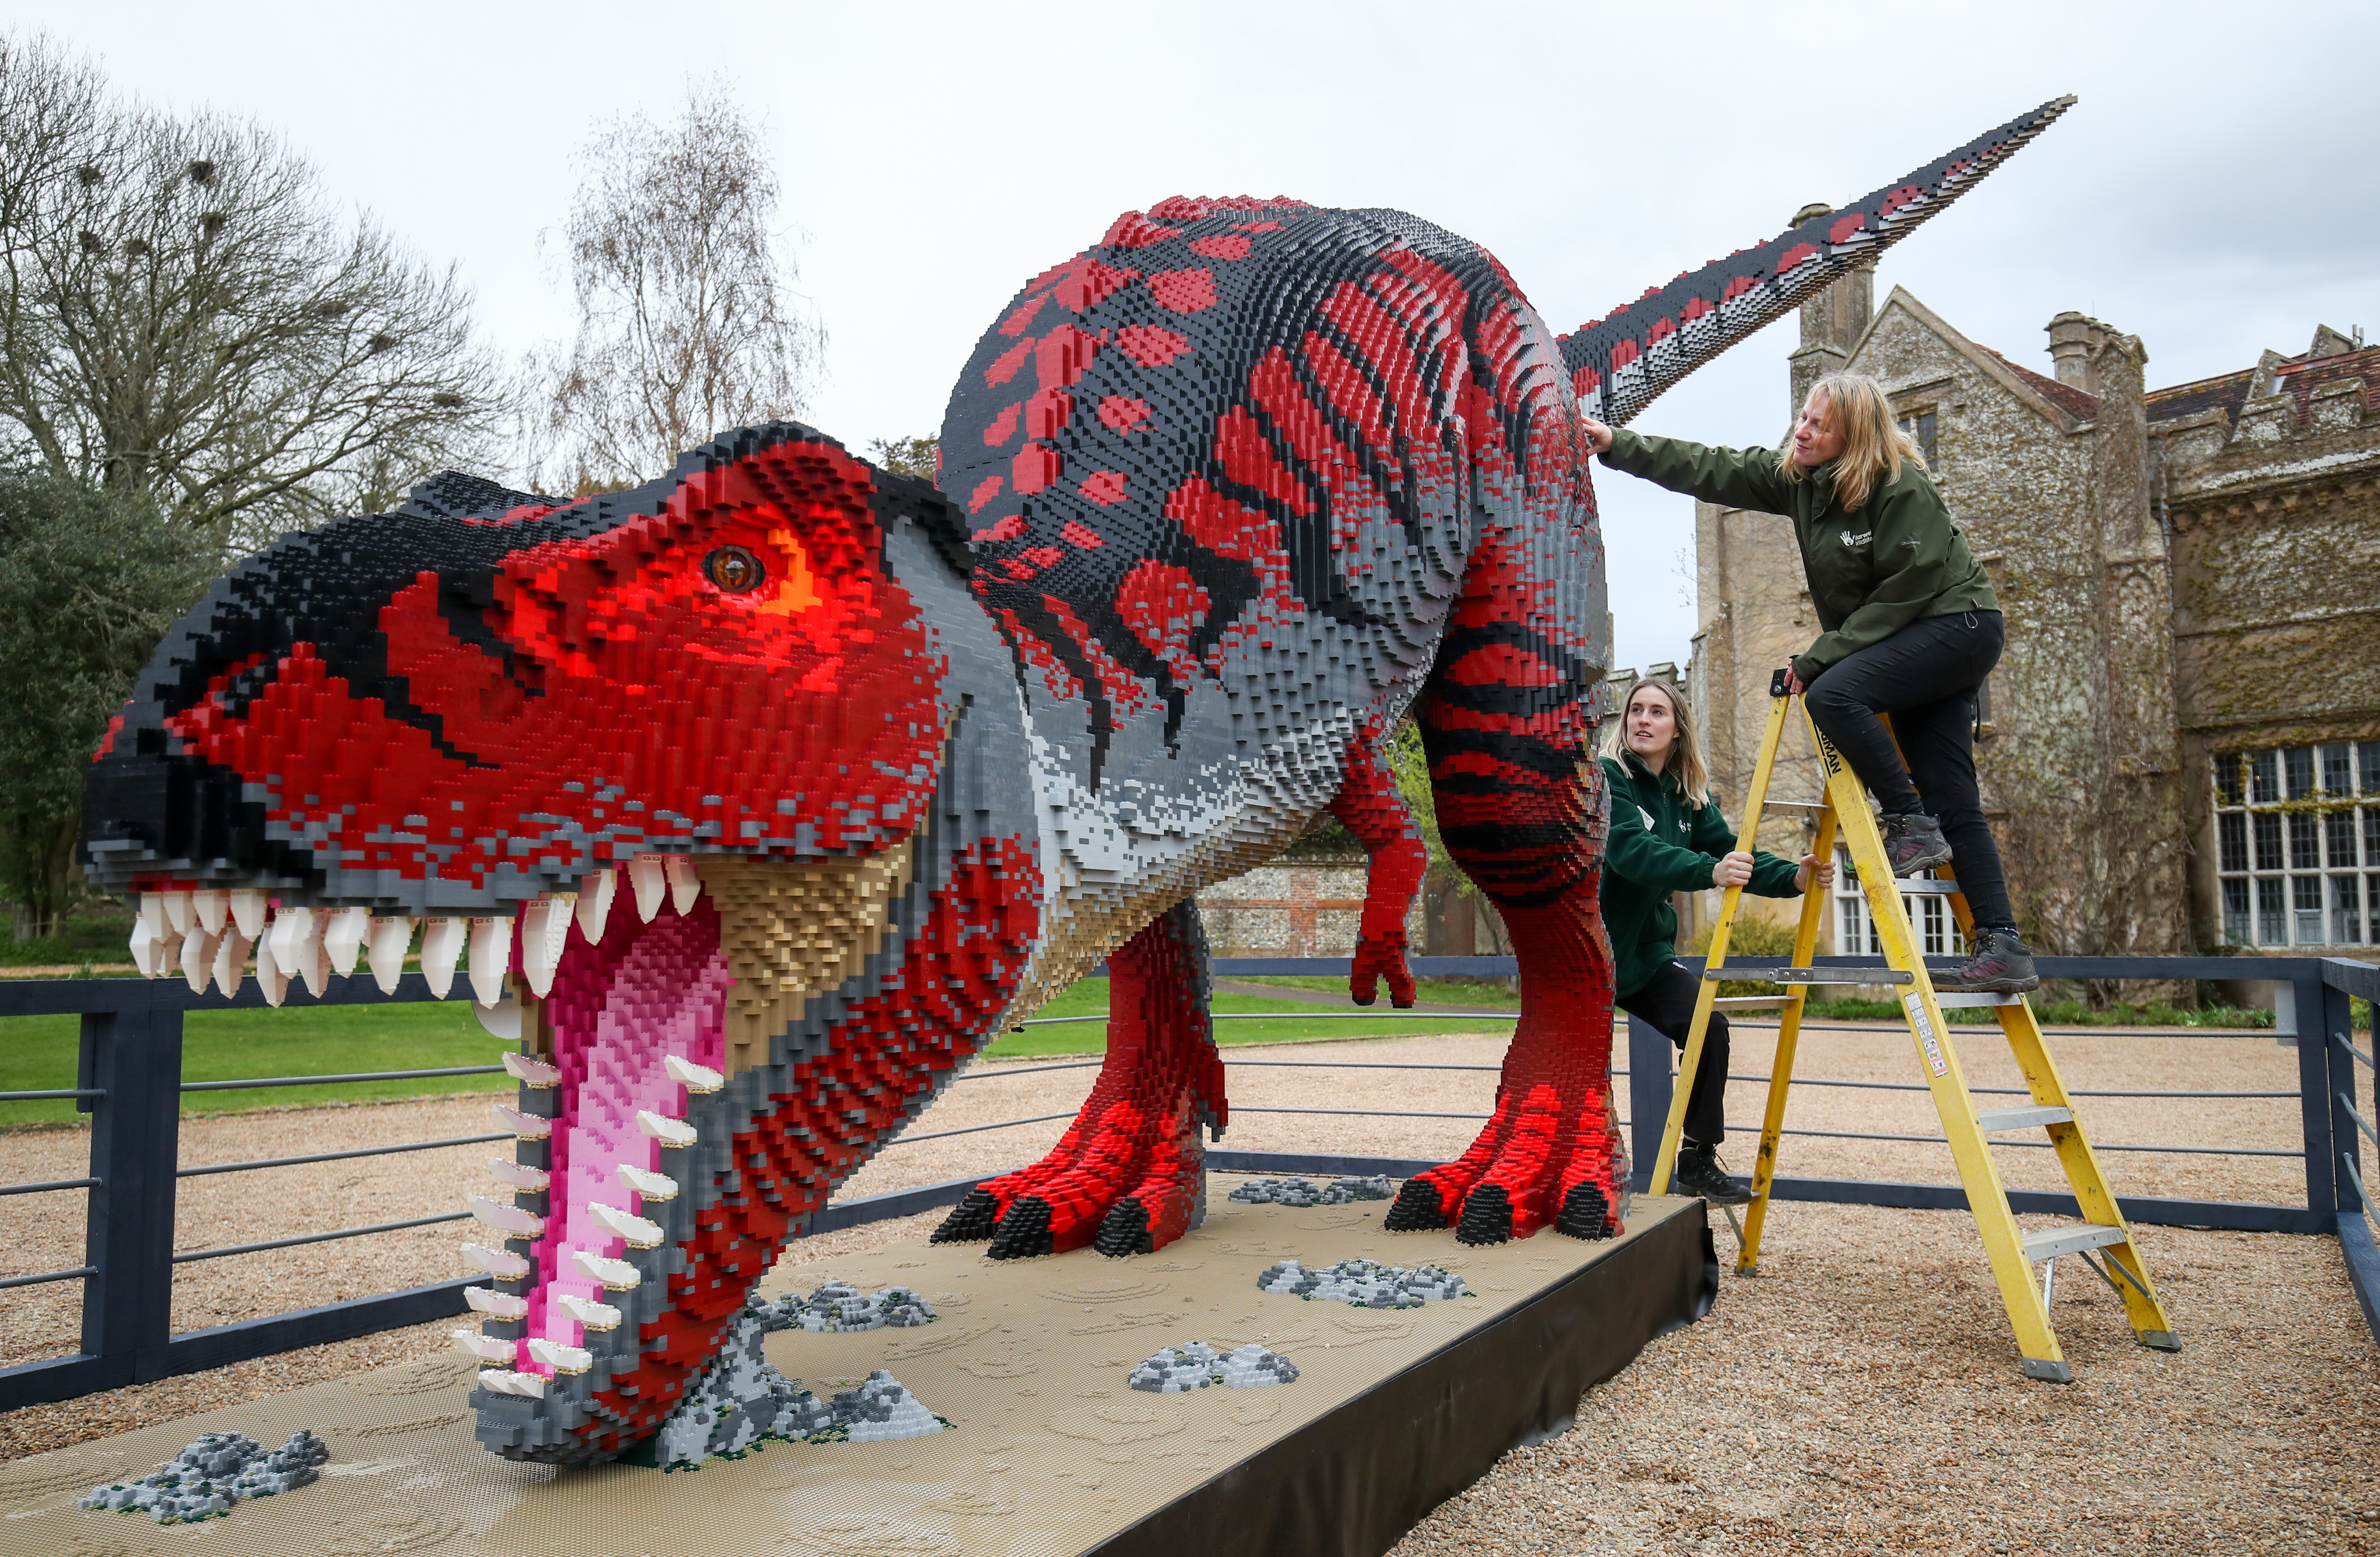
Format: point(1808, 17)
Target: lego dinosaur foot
point(1435, 1199)
point(1561, 1166)
point(1134, 1190)
point(1163, 1206)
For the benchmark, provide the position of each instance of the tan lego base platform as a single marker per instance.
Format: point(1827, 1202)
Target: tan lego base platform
point(1051, 1452)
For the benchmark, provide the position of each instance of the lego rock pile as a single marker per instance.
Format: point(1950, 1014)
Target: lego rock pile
point(839, 1306)
point(1179, 1369)
point(213, 1473)
point(1367, 1283)
point(1305, 1192)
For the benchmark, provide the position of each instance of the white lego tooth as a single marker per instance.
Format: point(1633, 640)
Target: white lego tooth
point(291, 929)
point(616, 1274)
point(487, 1348)
point(498, 1305)
point(343, 938)
point(169, 952)
point(152, 909)
point(530, 1073)
point(499, 1263)
point(561, 1359)
point(692, 1077)
point(649, 879)
point(231, 961)
point(525, 1126)
point(145, 946)
point(520, 1175)
point(513, 1221)
point(595, 890)
point(199, 959)
point(640, 1233)
point(593, 1315)
point(669, 1132)
point(442, 948)
point(645, 1182)
point(491, 955)
point(313, 962)
point(271, 976)
point(544, 925)
point(385, 945)
point(248, 910)
point(208, 903)
point(504, 1381)
point(177, 911)
point(683, 885)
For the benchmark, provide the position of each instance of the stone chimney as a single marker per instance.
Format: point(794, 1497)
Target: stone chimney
point(2074, 342)
point(1832, 321)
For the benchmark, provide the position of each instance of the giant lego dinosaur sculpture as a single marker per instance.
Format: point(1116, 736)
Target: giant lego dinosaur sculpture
point(775, 787)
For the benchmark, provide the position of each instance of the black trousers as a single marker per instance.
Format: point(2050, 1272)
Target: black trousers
point(1667, 1002)
point(1924, 675)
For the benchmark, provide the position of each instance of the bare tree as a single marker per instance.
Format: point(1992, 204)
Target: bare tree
point(687, 322)
point(187, 315)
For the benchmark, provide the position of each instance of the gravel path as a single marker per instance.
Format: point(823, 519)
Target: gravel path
point(1822, 1404)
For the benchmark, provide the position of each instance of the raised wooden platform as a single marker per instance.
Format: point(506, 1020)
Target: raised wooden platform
point(1052, 1454)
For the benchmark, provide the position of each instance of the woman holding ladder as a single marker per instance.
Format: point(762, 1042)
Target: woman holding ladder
point(1911, 627)
point(1668, 836)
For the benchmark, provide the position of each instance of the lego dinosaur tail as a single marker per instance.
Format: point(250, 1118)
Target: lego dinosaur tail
point(1619, 363)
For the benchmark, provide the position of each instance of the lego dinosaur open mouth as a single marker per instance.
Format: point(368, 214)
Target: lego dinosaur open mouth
point(634, 1215)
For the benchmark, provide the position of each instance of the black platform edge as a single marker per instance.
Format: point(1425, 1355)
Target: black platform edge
point(1353, 1482)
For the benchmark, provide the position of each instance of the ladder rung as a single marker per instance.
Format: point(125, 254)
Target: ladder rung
point(1750, 1003)
point(2024, 1118)
point(2051, 1242)
point(1794, 804)
point(1949, 1001)
point(1925, 886)
point(1808, 974)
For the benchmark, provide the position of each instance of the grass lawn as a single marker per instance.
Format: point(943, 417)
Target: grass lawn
point(38, 1053)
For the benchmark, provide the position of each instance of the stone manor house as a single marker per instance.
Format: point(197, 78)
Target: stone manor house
point(2180, 749)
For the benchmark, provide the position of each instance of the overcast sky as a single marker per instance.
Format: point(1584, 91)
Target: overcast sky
point(2215, 191)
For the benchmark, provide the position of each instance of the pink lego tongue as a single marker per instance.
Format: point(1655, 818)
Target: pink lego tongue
point(617, 1011)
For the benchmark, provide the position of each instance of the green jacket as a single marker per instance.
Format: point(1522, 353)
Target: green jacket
point(1899, 559)
point(1658, 846)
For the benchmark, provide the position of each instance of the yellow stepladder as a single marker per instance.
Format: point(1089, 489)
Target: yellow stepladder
point(2101, 1239)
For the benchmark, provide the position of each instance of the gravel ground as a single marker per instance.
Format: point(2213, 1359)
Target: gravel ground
point(1787, 1417)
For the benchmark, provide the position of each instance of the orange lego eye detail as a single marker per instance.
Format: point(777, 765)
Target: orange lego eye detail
point(735, 570)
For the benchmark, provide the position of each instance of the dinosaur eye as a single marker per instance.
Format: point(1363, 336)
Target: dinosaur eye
point(734, 570)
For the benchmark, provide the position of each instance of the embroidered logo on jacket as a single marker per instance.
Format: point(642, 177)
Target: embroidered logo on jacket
point(1850, 539)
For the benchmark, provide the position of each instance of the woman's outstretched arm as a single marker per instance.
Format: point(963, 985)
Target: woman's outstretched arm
point(1739, 478)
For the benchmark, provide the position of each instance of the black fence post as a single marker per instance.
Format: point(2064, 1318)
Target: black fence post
point(1649, 1086)
point(2338, 1014)
point(2314, 1102)
point(135, 1147)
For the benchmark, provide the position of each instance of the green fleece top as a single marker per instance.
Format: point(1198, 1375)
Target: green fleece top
point(1658, 846)
point(1871, 574)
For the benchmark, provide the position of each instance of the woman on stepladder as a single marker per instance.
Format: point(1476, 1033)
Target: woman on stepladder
point(1668, 836)
point(1911, 627)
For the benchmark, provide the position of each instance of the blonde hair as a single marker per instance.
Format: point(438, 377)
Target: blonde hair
point(1686, 753)
point(1874, 445)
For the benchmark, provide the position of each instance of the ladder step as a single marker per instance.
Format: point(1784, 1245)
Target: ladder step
point(1808, 974)
point(1794, 804)
point(1751, 1002)
point(1949, 1001)
point(1927, 886)
point(2023, 1118)
point(2051, 1242)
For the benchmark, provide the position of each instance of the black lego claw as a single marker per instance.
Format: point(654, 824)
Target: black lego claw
point(1124, 1230)
point(1366, 1000)
point(1487, 1217)
point(1419, 1209)
point(1024, 1232)
point(1405, 1004)
point(971, 1221)
point(1585, 1212)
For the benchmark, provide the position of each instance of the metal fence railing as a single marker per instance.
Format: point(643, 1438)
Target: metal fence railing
point(130, 1080)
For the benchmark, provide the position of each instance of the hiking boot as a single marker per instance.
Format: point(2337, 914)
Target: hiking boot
point(2001, 964)
point(1698, 1173)
point(1914, 844)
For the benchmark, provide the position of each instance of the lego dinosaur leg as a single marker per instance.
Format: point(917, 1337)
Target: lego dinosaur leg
point(1520, 807)
point(1370, 807)
point(1130, 1172)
